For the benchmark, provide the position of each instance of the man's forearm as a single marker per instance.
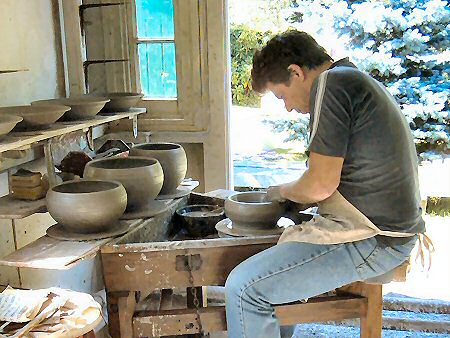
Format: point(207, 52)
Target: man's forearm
point(307, 189)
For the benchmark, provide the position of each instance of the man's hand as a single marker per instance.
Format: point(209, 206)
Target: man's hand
point(273, 194)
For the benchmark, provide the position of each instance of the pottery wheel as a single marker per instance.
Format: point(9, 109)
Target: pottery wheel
point(225, 227)
point(59, 232)
point(152, 208)
point(181, 191)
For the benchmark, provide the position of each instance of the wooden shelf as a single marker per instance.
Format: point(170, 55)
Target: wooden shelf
point(11, 208)
point(24, 140)
point(50, 253)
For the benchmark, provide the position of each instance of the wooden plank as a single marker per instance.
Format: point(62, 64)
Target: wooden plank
point(11, 208)
point(126, 306)
point(188, 244)
point(176, 322)
point(154, 268)
point(8, 275)
point(18, 140)
point(50, 253)
point(31, 228)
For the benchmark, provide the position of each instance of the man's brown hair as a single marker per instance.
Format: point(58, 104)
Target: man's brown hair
point(270, 64)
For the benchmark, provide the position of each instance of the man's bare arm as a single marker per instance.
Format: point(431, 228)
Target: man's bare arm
point(318, 182)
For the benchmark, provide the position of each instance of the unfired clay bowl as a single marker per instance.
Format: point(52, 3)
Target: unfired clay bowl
point(87, 206)
point(122, 101)
point(173, 161)
point(36, 116)
point(7, 123)
point(249, 210)
point(82, 107)
point(142, 177)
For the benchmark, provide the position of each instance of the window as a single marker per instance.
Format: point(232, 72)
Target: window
point(168, 46)
point(156, 48)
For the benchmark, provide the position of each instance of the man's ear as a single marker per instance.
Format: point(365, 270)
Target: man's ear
point(296, 70)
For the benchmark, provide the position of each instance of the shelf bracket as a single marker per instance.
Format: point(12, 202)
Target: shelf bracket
point(50, 164)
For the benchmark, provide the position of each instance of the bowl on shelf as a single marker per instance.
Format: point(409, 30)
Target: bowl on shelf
point(200, 219)
point(82, 107)
point(121, 102)
point(36, 116)
point(249, 210)
point(142, 177)
point(7, 123)
point(87, 206)
point(173, 162)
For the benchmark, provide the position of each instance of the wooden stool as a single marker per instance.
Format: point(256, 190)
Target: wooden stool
point(134, 268)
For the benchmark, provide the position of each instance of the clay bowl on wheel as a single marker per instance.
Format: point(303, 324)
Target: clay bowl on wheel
point(173, 162)
point(122, 101)
point(7, 123)
point(249, 210)
point(87, 206)
point(200, 220)
point(82, 107)
point(36, 116)
point(142, 177)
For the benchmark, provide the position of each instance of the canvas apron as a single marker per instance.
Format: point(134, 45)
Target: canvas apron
point(338, 221)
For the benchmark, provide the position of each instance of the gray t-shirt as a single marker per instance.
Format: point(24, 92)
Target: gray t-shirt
point(353, 116)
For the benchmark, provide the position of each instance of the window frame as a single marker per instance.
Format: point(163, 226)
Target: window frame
point(186, 112)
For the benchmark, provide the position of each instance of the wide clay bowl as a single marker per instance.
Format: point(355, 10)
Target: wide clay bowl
point(36, 116)
point(7, 123)
point(87, 206)
point(249, 210)
point(82, 107)
point(142, 177)
point(173, 161)
point(122, 101)
point(200, 219)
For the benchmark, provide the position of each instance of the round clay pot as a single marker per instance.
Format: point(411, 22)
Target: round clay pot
point(142, 177)
point(87, 206)
point(173, 161)
point(7, 123)
point(249, 210)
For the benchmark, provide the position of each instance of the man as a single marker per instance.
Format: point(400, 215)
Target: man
point(362, 171)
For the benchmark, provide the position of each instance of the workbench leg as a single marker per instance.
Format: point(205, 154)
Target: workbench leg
point(372, 324)
point(190, 305)
point(372, 316)
point(121, 307)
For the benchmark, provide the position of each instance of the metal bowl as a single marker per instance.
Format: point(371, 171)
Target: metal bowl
point(200, 219)
point(87, 206)
point(249, 210)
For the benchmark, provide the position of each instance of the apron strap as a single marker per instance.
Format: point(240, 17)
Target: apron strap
point(425, 248)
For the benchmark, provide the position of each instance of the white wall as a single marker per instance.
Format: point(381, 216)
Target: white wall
point(29, 39)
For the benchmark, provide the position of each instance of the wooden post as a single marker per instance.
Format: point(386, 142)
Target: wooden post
point(371, 321)
point(371, 324)
point(121, 306)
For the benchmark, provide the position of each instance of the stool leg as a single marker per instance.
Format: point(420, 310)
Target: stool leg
point(371, 324)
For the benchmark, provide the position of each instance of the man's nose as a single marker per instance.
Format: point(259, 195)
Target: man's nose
point(287, 106)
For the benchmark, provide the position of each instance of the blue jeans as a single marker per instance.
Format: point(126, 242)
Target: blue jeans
point(293, 271)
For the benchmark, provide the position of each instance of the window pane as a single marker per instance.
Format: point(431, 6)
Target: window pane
point(158, 71)
point(155, 18)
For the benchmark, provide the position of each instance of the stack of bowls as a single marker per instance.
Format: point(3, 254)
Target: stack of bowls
point(7, 123)
point(36, 117)
point(172, 158)
point(87, 206)
point(82, 107)
point(142, 177)
point(121, 102)
point(249, 211)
